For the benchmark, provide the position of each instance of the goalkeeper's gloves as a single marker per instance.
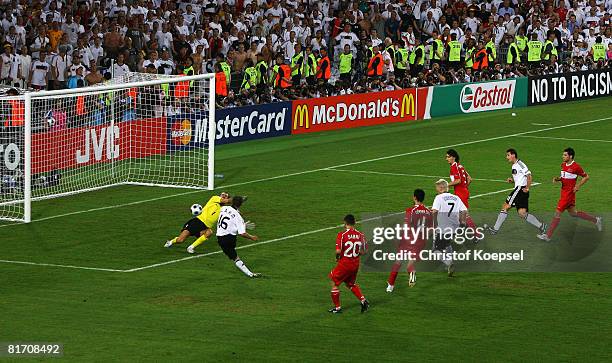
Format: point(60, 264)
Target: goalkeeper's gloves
point(249, 225)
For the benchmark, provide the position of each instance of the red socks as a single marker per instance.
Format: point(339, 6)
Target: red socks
point(586, 217)
point(553, 226)
point(470, 222)
point(335, 296)
point(357, 292)
point(394, 272)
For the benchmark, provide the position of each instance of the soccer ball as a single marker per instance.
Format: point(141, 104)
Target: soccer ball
point(50, 119)
point(196, 209)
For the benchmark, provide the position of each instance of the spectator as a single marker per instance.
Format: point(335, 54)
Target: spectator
point(39, 72)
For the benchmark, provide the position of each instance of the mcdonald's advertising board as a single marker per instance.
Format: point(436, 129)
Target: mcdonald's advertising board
point(342, 112)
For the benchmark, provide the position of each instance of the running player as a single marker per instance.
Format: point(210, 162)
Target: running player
point(519, 196)
point(230, 226)
point(570, 171)
point(449, 214)
point(201, 226)
point(460, 181)
point(350, 244)
point(418, 219)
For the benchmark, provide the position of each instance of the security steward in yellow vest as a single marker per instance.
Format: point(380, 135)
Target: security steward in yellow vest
point(521, 42)
point(598, 50)
point(309, 66)
point(296, 64)
point(347, 62)
point(453, 49)
point(262, 74)
point(534, 51)
point(225, 67)
point(401, 62)
point(549, 47)
point(436, 50)
point(469, 54)
point(417, 58)
point(249, 81)
point(491, 51)
point(513, 55)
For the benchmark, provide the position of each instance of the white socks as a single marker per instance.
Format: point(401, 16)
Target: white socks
point(448, 261)
point(531, 219)
point(500, 220)
point(243, 268)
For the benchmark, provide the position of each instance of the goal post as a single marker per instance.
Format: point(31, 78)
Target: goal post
point(138, 129)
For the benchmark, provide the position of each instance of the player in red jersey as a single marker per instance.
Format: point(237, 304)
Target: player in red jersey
point(570, 171)
point(460, 181)
point(350, 244)
point(418, 218)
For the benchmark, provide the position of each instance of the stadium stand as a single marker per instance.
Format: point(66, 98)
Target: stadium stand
point(266, 51)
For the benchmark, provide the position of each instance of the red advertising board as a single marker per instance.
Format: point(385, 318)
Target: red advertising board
point(340, 112)
point(75, 147)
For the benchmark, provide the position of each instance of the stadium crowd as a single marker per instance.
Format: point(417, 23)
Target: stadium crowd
point(264, 51)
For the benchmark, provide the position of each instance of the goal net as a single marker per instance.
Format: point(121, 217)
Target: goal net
point(143, 129)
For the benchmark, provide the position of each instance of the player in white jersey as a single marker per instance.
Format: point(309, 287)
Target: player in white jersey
point(519, 196)
point(229, 226)
point(449, 214)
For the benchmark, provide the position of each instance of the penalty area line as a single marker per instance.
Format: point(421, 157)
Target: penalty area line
point(62, 266)
point(293, 236)
point(564, 138)
point(407, 175)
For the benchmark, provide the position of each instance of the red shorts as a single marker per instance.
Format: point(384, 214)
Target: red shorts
point(413, 248)
point(464, 195)
point(566, 201)
point(344, 272)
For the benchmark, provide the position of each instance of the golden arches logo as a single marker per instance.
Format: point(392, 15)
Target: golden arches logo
point(301, 117)
point(408, 108)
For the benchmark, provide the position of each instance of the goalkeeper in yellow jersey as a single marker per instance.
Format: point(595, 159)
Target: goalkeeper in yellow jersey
point(201, 226)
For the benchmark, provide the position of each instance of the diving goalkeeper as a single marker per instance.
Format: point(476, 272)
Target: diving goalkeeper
point(201, 225)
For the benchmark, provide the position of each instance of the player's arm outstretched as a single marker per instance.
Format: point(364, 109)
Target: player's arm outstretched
point(247, 235)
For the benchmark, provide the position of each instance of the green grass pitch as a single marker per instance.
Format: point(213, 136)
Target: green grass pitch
point(204, 309)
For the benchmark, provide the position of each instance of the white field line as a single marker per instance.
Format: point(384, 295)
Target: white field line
point(408, 175)
point(564, 138)
point(317, 170)
point(293, 236)
point(536, 124)
point(63, 266)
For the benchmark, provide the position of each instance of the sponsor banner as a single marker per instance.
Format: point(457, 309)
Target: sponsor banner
point(69, 148)
point(478, 97)
point(253, 122)
point(187, 131)
point(575, 86)
point(340, 112)
point(10, 156)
